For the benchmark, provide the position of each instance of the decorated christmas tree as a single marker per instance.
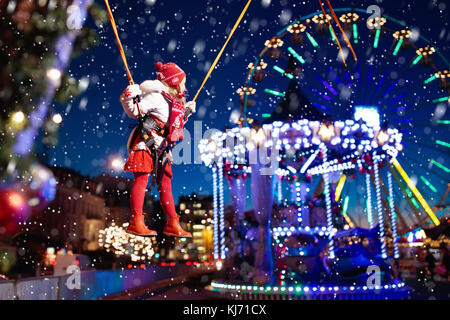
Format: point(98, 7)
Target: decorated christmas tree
point(38, 40)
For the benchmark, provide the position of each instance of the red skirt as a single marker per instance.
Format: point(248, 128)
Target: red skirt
point(141, 161)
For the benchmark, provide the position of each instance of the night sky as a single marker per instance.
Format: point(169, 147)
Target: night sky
point(95, 128)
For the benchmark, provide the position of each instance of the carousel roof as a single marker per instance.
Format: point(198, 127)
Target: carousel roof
point(345, 140)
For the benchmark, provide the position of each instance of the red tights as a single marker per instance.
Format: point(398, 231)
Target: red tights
point(164, 190)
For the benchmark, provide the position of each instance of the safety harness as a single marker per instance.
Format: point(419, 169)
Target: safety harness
point(172, 131)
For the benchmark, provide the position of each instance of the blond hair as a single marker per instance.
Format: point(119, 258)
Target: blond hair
point(174, 93)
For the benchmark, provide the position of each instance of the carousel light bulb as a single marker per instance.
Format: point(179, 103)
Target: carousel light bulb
point(321, 18)
point(402, 34)
point(326, 132)
point(349, 17)
point(296, 28)
point(260, 66)
point(376, 23)
point(212, 146)
point(382, 137)
point(442, 74)
point(274, 43)
point(245, 90)
point(426, 51)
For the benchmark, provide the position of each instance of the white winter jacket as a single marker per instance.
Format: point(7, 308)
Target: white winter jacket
point(152, 103)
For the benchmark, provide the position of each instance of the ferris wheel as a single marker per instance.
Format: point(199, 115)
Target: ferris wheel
point(348, 63)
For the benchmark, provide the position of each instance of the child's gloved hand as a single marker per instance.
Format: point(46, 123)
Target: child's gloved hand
point(191, 106)
point(132, 91)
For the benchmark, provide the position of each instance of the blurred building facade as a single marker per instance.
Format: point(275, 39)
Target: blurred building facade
point(196, 213)
point(82, 206)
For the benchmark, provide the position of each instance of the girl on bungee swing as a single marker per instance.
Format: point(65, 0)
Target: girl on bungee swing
point(163, 102)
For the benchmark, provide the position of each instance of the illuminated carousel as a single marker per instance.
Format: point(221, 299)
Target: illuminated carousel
point(303, 165)
point(305, 151)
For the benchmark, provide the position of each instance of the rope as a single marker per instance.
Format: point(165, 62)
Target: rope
point(343, 33)
point(334, 33)
point(223, 48)
point(122, 54)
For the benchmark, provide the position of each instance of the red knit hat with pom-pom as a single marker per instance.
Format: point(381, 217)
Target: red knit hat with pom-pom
point(170, 73)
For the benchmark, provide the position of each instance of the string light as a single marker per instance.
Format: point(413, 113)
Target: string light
point(326, 180)
point(369, 201)
point(379, 207)
point(215, 215)
point(288, 231)
point(221, 212)
point(393, 215)
point(396, 289)
point(309, 161)
point(303, 134)
point(115, 239)
point(298, 200)
point(279, 190)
